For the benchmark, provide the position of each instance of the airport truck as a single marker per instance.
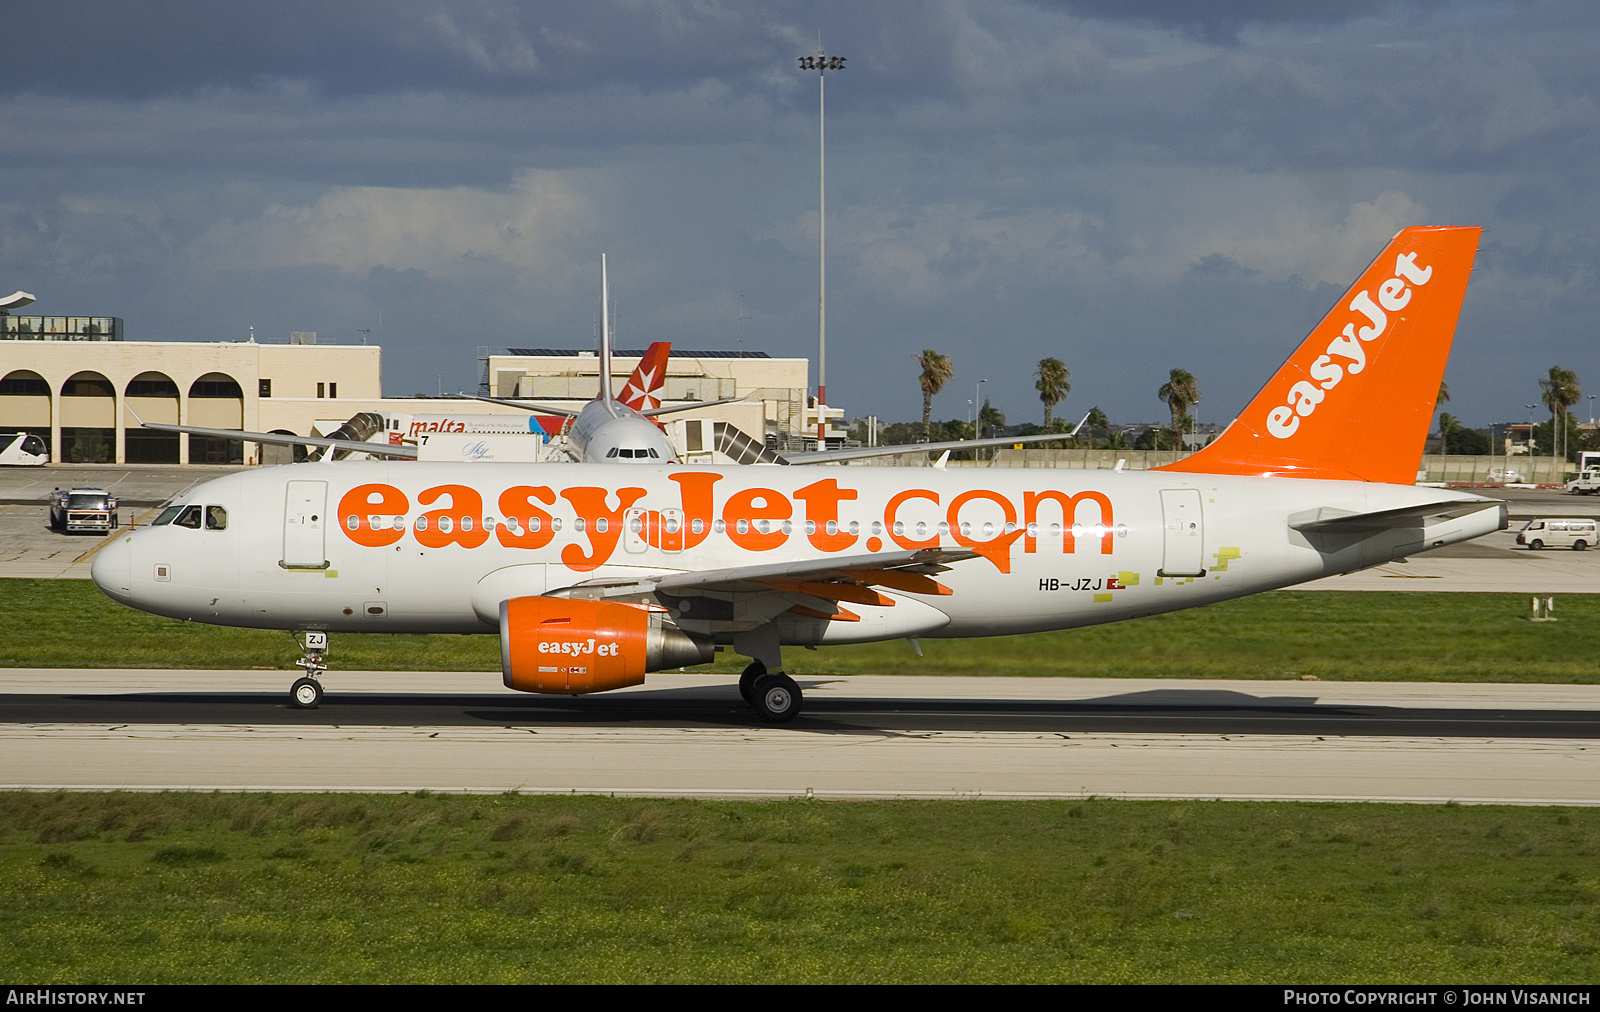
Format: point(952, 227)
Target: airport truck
point(1586, 483)
point(83, 509)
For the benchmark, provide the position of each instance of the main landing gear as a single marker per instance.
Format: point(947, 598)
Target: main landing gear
point(306, 692)
point(774, 696)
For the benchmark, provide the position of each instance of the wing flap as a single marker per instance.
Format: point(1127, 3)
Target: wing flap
point(754, 578)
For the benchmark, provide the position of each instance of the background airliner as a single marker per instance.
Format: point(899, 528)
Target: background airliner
point(593, 575)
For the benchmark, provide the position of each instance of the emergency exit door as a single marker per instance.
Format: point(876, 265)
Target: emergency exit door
point(305, 519)
point(1183, 533)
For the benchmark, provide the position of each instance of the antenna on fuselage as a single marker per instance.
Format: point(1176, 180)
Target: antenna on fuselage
point(605, 335)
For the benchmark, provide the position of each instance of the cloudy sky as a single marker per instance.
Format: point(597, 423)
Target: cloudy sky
point(1128, 185)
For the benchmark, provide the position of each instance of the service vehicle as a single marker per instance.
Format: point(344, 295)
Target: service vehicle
point(1586, 483)
point(23, 449)
point(1575, 533)
point(83, 509)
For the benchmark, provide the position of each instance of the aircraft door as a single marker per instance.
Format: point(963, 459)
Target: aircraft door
point(305, 516)
point(1183, 533)
point(636, 532)
point(672, 530)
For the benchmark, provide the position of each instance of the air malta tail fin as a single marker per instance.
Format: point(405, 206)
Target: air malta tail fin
point(1355, 402)
point(643, 391)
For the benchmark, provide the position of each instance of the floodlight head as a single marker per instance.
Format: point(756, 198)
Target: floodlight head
point(16, 300)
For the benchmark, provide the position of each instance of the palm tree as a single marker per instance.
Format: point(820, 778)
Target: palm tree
point(1560, 393)
point(990, 418)
point(1180, 392)
point(1449, 425)
point(1053, 385)
point(936, 372)
point(1097, 420)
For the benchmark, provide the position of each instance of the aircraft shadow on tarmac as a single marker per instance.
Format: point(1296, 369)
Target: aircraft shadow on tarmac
point(1165, 710)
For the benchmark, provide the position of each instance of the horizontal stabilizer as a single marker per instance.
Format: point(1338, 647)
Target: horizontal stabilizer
point(1328, 520)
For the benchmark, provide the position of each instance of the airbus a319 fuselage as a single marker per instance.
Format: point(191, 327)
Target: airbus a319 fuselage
point(595, 574)
point(410, 547)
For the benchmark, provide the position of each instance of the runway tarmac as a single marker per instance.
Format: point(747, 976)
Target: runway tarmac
point(860, 737)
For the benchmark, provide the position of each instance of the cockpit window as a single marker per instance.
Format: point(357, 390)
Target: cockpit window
point(190, 517)
point(653, 454)
point(611, 452)
point(216, 518)
point(166, 516)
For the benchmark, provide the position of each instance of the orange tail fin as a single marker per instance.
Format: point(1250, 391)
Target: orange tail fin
point(643, 391)
point(1355, 401)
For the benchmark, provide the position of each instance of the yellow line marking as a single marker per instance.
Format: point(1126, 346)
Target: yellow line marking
point(86, 556)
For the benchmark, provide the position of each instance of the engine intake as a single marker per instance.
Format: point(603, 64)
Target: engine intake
point(567, 646)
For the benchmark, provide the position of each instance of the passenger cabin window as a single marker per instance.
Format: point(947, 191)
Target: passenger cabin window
point(190, 517)
point(216, 518)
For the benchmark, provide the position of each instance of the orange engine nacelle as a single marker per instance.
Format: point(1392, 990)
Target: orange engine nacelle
point(555, 644)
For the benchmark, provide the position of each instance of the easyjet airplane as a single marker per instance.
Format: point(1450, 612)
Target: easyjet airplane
point(594, 575)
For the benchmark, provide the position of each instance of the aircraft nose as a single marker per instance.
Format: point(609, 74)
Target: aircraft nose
point(112, 569)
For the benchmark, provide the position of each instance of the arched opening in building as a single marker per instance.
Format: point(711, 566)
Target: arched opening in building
point(216, 402)
point(88, 419)
point(25, 404)
point(150, 397)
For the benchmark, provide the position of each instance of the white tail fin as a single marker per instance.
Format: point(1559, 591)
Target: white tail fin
point(606, 396)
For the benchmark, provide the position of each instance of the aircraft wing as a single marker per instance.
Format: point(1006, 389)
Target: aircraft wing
point(653, 412)
point(648, 413)
point(1327, 520)
point(853, 568)
point(536, 406)
point(863, 452)
point(858, 453)
point(279, 439)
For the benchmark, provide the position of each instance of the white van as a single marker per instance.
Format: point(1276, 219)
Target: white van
point(1571, 533)
point(22, 448)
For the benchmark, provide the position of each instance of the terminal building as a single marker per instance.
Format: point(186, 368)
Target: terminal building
point(75, 382)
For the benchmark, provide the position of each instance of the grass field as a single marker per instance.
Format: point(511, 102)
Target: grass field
point(1347, 636)
point(160, 888)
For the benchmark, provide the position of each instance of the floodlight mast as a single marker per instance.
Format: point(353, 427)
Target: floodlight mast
point(822, 63)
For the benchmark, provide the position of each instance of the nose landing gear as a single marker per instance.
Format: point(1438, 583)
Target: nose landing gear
point(306, 692)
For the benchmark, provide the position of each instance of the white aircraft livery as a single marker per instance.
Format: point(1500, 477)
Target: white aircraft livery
point(595, 574)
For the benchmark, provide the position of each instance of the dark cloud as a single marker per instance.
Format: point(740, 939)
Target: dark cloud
point(1221, 20)
point(1131, 186)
